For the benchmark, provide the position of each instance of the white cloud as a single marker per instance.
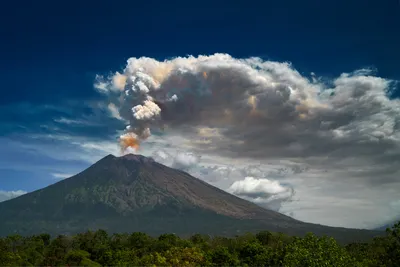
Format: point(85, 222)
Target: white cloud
point(100, 84)
point(61, 175)
point(262, 191)
point(69, 121)
point(6, 195)
point(114, 111)
point(185, 161)
point(257, 188)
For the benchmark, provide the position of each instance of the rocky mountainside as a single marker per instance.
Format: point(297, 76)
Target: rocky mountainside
point(135, 193)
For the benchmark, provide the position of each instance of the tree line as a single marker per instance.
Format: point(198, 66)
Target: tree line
point(98, 248)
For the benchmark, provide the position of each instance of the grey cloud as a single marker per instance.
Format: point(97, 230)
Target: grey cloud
point(395, 205)
point(267, 109)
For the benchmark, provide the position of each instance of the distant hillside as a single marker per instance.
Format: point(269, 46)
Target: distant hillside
point(135, 193)
point(389, 225)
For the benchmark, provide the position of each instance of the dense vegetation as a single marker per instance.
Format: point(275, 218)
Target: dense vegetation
point(138, 249)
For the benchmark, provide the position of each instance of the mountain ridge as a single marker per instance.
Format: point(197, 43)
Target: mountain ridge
point(136, 193)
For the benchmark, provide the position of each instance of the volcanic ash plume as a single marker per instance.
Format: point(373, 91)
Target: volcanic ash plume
point(254, 107)
point(129, 140)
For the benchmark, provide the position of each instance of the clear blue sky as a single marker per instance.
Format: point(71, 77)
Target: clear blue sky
point(50, 52)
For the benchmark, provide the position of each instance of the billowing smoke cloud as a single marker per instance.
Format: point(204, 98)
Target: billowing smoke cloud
point(262, 191)
point(129, 140)
point(6, 195)
point(241, 106)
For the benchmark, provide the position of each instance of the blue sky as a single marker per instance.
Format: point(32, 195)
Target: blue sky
point(53, 122)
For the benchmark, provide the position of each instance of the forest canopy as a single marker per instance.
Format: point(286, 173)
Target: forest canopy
point(98, 248)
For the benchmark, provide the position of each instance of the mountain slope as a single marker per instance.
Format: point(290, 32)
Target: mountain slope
point(135, 193)
point(388, 225)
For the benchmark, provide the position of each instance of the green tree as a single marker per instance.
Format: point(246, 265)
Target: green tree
point(79, 258)
point(45, 238)
point(119, 241)
point(392, 246)
point(179, 256)
point(9, 255)
point(168, 241)
point(264, 237)
point(54, 254)
point(32, 250)
point(201, 241)
point(139, 240)
point(153, 259)
point(255, 254)
point(313, 251)
point(94, 242)
point(221, 256)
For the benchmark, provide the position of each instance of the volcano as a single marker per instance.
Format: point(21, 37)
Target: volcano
point(134, 193)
